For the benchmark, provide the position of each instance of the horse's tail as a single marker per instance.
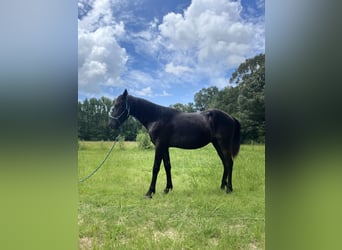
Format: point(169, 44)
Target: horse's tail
point(236, 138)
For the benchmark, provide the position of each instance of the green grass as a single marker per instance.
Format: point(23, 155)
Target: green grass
point(196, 214)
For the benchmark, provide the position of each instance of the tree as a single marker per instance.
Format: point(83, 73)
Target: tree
point(227, 100)
point(184, 107)
point(251, 69)
point(130, 129)
point(205, 98)
point(93, 121)
point(250, 77)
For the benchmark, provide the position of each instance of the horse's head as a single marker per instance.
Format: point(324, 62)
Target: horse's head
point(119, 112)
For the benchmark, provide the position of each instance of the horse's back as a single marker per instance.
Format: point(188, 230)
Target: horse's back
point(209, 121)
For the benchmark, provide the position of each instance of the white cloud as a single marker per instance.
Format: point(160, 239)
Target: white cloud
point(211, 36)
point(145, 92)
point(164, 93)
point(147, 40)
point(260, 4)
point(101, 60)
point(137, 78)
point(148, 92)
point(176, 70)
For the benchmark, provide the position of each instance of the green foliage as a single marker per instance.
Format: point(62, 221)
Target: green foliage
point(205, 98)
point(93, 122)
point(143, 140)
point(184, 107)
point(130, 128)
point(196, 214)
point(93, 119)
point(251, 100)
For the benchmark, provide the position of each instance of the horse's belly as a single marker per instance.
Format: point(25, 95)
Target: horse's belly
point(189, 131)
point(190, 141)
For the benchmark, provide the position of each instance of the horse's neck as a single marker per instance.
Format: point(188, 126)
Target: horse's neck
point(145, 112)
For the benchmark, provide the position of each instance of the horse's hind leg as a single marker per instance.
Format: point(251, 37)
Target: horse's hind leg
point(167, 166)
point(227, 166)
point(230, 173)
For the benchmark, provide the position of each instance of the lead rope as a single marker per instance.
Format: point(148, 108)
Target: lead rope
point(96, 169)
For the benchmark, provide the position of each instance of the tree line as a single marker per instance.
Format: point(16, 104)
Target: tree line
point(244, 99)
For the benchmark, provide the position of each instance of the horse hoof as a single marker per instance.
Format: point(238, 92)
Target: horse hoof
point(167, 190)
point(148, 196)
point(229, 190)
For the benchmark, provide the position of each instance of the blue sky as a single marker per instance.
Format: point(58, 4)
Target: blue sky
point(164, 51)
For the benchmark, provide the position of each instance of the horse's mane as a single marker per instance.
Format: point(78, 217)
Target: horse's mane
point(145, 110)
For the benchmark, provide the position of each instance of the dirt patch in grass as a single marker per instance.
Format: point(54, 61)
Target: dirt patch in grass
point(238, 228)
point(214, 241)
point(253, 246)
point(171, 233)
point(85, 243)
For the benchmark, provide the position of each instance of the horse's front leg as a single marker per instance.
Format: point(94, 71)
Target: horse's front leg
point(167, 166)
point(156, 166)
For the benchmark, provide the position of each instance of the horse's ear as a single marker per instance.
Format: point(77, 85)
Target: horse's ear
point(125, 93)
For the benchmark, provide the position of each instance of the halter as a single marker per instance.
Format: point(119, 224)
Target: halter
point(127, 108)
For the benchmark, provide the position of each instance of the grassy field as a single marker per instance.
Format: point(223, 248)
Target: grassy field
point(196, 214)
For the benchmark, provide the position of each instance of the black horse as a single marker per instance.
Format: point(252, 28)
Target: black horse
point(168, 127)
